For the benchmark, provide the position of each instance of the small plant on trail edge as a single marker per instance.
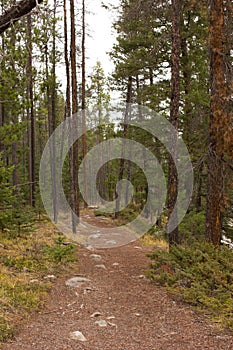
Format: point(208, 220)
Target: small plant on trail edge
point(200, 275)
point(60, 252)
point(6, 331)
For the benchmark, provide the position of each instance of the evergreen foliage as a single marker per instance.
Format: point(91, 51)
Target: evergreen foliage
point(200, 275)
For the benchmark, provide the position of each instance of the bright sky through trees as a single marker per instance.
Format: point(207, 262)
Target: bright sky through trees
point(100, 41)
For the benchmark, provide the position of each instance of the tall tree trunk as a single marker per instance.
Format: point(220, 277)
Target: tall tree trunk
point(53, 113)
point(174, 115)
point(50, 131)
point(198, 189)
point(84, 141)
point(68, 111)
point(2, 107)
point(15, 159)
point(122, 160)
point(76, 208)
point(214, 208)
point(30, 114)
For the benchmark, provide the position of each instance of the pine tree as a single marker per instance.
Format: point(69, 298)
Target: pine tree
point(214, 210)
point(174, 119)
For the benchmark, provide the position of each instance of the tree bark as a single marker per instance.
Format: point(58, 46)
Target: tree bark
point(217, 122)
point(76, 208)
point(50, 131)
point(84, 140)
point(122, 160)
point(30, 115)
point(2, 107)
point(174, 115)
point(68, 111)
point(15, 12)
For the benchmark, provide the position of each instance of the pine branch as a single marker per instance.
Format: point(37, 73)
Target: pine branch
point(15, 12)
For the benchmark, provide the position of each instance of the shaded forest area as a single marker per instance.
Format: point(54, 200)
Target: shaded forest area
point(174, 57)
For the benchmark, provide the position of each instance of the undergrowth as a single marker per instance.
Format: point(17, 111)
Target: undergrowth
point(27, 259)
point(200, 275)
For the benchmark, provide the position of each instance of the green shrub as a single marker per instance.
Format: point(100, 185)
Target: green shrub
point(192, 226)
point(59, 252)
point(200, 275)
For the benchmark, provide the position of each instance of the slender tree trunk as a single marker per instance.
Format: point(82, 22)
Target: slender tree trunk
point(185, 64)
point(30, 114)
point(2, 107)
point(122, 160)
point(84, 141)
point(68, 112)
point(50, 131)
point(174, 115)
point(198, 189)
point(74, 109)
point(214, 209)
point(15, 159)
point(53, 114)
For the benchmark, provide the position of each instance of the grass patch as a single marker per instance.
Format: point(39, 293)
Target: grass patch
point(25, 260)
point(154, 241)
point(200, 275)
point(6, 330)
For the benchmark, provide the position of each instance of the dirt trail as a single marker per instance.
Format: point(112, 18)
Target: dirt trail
point(138, 314)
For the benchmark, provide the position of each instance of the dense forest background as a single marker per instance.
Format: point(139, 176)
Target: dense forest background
point(174, 57)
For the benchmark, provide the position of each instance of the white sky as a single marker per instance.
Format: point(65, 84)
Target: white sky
point(102, 35)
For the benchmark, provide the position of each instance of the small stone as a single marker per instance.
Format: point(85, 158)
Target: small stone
point(111, 317)
point(100, 267)
point(115, 264)
point(95, 314)
point(50, 277)
point(76, 281)
point(34, 281)
point(93, 207)
point(96, 257)
point(88, 289)
point(89, 247)
point(78, 336)
point(136, 247)
point(137, 315)
point(101, 323)
point(95, 236)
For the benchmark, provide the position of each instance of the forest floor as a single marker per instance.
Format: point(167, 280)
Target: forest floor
point(115, 308)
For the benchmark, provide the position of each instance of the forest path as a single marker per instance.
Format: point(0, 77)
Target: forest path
point(116, 309)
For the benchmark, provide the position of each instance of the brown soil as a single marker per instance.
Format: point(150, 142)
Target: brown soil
point(145, 317)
